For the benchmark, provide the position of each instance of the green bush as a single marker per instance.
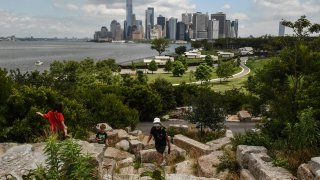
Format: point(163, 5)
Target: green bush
point(251, 138)
point(64, 161)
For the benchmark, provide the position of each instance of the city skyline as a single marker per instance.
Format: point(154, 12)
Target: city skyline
point(79, 18)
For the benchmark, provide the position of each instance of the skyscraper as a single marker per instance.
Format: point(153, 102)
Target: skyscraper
point(161, 21)
point(113, 27)
point(200, 24)
point(181, 31)
point(236, 27)
point(172, 28)
point(213, 29)
point(128, 19)
point(281, 29)
point(149, 22)
point(228, 29)
point(221, 17)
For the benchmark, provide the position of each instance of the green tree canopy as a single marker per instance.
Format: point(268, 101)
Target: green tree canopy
point(178, 69)
point(160, 45)
point(180, 50)
point(225, 70)
point(153, 66)
point(168, 66)
point(203, 72)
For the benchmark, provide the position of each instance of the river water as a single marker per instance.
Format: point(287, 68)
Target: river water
point(24, 54)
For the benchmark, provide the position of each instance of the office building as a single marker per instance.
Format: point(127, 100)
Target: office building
point(181, 31)
point(221, 17)
point(149, 22)
point(113, 28)
point(161, 21)
point(228, 29)
point(213, 29)
point(172, 27)
point(281, 29)
point(128, 24)
point(200, 24)
point(235, 24)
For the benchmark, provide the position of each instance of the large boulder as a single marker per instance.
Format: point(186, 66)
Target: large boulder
point(138, 134)
point(122, 134)
point(176, 155)
point(244, 116)
point(126, 162)
point(314, 165)
point(20, 159)
point(218, 143)
point(207, 164)
point(186, 167)
point(135, 146)
point(148, 156)
point(193, 147)
point(186, 177)
point(113, 138)
point(256, 160)
point(246, 175)
point(117, 154)
point(304, 172)
point(108, 128)
point(108, 167)
point(123, 145)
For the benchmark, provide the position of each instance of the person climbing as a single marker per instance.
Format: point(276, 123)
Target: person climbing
point(158, 132)
point(56, 120)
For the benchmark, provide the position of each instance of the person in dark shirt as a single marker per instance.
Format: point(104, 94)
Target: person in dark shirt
point(102, 136)
point(158, 132)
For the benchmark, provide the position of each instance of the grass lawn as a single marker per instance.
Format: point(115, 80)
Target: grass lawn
point(188, 77)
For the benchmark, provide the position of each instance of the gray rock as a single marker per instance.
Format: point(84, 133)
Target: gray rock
point(123, 145)
point(186, 167)
point(218, 143)
point(108, 167)
point(135, 146)
point(19, 160)
point(314, 164)
point(243, 151)
point(193, 147)
point(122, 134)
point(229, 133)
point(148, 156)
point(117, 154)
point(127, 170)
point(176, 155)
point(246, 175)
point(207, 164)
point(186, 177)
point(304, 172)
point(125, 163)
point(108, 128)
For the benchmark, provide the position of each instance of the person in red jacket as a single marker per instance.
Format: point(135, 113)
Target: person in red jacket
point(56, 120)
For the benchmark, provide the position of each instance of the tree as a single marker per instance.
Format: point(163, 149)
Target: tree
point(183, 60)
point(207, 109)
point(160, 45)
point(196, 44)
point(180, 50)
point(203, 72)
point(209, 60)
point(153, 66)
point(225, 70)
point(178, 69)
point(168, 66)
point(145, 100)
point(166, 91)
point(142, 78)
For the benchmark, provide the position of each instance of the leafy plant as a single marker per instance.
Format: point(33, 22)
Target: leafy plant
point(64, 161)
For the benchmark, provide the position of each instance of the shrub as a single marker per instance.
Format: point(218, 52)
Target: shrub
point(251, 138)
point(64, 161)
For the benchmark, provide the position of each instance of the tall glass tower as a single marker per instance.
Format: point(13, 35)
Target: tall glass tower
point(128, 19)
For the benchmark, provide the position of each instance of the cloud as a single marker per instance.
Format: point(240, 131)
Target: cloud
point(226, 7)
point(240, 16)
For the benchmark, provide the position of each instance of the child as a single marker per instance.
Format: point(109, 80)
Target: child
point(102, 137)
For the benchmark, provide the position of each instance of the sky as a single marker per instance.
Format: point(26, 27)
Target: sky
point(81, 18)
